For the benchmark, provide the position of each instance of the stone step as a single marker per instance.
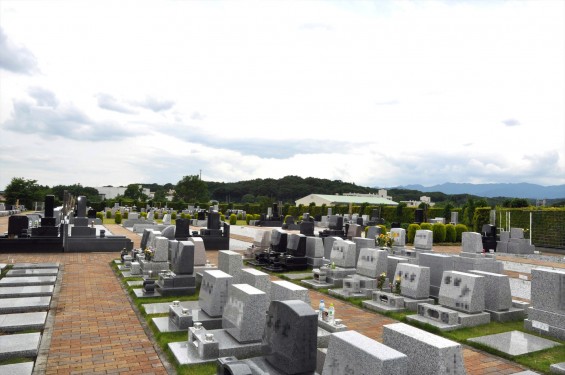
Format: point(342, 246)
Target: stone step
point(26, 291)
point(28, 281)
point(24, 368)
point(32, 272)
point(27, 304)
point(19, 345)
point(22, 321)
point(35, 265)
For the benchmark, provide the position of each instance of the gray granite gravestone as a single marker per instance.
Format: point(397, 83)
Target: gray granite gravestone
point(214, 292)
point(437, 264)
point(428, 354)
point(361, 243)
point(372, 262)
point(314, 251)
point(244, 316)
point(231, 262)
point(352, 352)
point(462, 291)
point(282, 290)
point(547, 313)
point(423, 240)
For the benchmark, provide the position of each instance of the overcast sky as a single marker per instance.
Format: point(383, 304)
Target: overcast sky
point(379, 93)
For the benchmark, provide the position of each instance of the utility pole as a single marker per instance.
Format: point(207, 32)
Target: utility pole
point(200, 174)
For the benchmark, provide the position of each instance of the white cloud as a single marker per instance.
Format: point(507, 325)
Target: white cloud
point(376, 93)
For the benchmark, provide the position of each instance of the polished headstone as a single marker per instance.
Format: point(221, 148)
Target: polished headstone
point(472, 242)
point(414, 280)
point(462, 291)
point(244, 313)
point(423, 239)
point(231, 262)
point(372, 262)
point(343, 254)
point(282, 290)
point(214, 289)
point(498, 296)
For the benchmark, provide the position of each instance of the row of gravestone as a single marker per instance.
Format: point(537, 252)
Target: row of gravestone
point(25, 298)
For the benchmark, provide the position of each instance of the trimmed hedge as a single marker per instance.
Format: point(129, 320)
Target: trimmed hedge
point(233, 219)
point(118, 217)
point(411, 232)
point(450, 234)
point(459, 229)
point(439, 232)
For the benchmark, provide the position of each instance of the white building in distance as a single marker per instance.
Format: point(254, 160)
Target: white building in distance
point(349, 198)
point(423, 199)
point(111, 192)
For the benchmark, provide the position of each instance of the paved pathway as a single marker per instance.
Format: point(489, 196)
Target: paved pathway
point(96, 330)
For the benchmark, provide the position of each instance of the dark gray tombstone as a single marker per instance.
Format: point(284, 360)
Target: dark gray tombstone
point(49, 206)
point(182, 229)
point(17, 225)
point(184, 261)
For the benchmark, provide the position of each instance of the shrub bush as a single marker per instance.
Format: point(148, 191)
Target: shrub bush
point(222, 217)
point(240, 216)
point(459, 228)
point(450, 234)
point(233, 219)
point(118, 217)
point(183, 215)
point(411, 232)
point(189, 216)
point(426, 226)
point(108, 214)
point(286, 218)
point(156, 215)
point(439, 232)
point(126, 215)
point(100, 215)
point(174, 216)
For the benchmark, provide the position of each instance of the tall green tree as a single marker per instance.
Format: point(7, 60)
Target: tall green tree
point(25, 191)
point(192, 189)
point(135, 192)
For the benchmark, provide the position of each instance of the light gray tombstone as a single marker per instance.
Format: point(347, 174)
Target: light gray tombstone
point(472, 242)
point(352, 352)
point(454, 217)
point(282, 290)
point(498, 296)
point(361, 243)
point(414, 280)
point(167, 219)
point(328, 245)
point(373, 232)
point(428, 354)
point(199, 251)
point(343, 254)
point(424, 239)
point(244, 314)
point(398, 237)
point(231, 263)
point(462, 292)
point(547, 314)
point(372, 262)
point(517, 233)
point(161, 249)
point(437, 264)
point(214, 291)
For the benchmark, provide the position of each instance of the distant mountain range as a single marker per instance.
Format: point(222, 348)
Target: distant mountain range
point(518, 190)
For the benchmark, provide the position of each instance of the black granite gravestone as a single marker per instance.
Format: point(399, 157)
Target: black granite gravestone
point(182, 229)
point(18, 225)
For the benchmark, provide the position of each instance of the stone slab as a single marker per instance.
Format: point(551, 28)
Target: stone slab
point(515, 342)
point(19, 345)
point(297, 276)
point(164, 324)
point(135, 283)
point(28, 281)
point(22, 321)
point(228, 346)
point(35, 265)
point(140, 294)
point(24, 368)
point(28, 304)
point(163, 307)
point(557, 368)
point(32, 272)
point(26, 291)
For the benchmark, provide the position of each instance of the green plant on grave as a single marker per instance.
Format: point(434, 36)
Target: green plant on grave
point(439, 232)
point(381, 281)
point(100, 216)
point(108, 214)
point(174, 216)
point(411, 232)
point(233, 219)
point(222, 217)
point(143, 214)
point(126, 215)
point(396, 287)
point(118, 217)
point(384, 240)
point(450, 234)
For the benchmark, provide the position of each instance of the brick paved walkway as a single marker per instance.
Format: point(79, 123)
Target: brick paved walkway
point(96, 330)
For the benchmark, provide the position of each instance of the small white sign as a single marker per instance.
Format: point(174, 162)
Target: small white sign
point(540, 325)
point(523, 277)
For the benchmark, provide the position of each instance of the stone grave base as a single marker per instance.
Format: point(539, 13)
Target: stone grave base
point(375, 306)
point(140, 294)
point(346, 294)
point(511, 315)
point(208, 322)
point(464, 320)
point(33, 272)
point(315, 262)
point(35, 265)
point(186, 354)
point(28, 281)
point(317, 285)
point(163, 307)
point(19, 305)
point(297, 276)
point(26, 291)
point(19, 345)
point(515, 342)
point(135, 282)
point(154, 267)
point(22, 321)
point(17, 368)
point(544, 329)
point(557, 368)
